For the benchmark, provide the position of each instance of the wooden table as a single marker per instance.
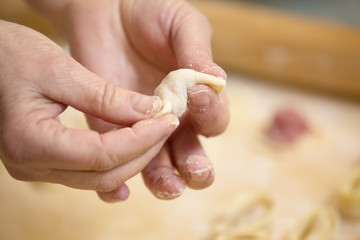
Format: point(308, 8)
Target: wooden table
point(274, 46)
point(298, 178)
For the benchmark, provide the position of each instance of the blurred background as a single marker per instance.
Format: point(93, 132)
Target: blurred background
point(297, 55)
point(346, 11)
point(308, 44)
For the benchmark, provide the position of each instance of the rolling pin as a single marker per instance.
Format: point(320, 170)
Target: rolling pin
point(268, 44)
point(284, 47)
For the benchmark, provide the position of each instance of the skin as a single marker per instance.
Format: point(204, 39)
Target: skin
point(134, 44)
point(38, 81)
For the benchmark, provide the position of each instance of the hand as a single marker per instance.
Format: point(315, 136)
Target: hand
point(38, 80)
point(134, 44)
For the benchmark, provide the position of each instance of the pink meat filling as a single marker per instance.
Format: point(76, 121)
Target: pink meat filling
point(287, 126)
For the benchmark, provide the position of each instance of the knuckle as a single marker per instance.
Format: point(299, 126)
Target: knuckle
point(59, 65)
point(104, 163)
point(102, 101)
point(104, 160)
point(10, 150)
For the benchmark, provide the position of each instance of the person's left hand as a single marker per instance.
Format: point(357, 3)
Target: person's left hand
point(134, 44)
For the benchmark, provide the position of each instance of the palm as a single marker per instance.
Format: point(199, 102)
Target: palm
point(134, 47)
point(136, 57)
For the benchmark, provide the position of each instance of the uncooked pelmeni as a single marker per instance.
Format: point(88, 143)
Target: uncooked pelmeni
point(173, 89)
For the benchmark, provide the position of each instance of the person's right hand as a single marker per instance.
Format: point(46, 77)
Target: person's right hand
point(38, 80)
point(134, 44)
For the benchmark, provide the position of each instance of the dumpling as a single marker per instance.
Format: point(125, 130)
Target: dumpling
point(173, 89)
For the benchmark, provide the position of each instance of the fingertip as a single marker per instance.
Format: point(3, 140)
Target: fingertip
point(173, 120)
point(209, 111)
point(212, 68)
point(165, 124)
point(201, 98)
point(145, 105)
point(198, 172)
point(160, 178)
point(169, 186)
point(170, 122)
point(122, 193)
point(118, 195)
point(156, 106)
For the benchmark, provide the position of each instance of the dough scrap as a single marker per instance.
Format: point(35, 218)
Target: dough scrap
point(173, 89)
point(243, 236)
point(322, 224)
point(247, 219)
point(349, 200)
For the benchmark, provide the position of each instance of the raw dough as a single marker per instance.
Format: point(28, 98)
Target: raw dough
point(248, 218)
point(245, 236)
point(349, 202)
point(173, 89)
point(322, 224)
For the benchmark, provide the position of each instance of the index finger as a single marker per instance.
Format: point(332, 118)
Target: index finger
point(51, 145)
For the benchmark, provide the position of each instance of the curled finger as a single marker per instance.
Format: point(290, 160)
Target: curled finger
point(160, 178)
point(190, 159)
point(118, 195)
point(209, 111)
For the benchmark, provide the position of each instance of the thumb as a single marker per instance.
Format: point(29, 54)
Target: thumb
point(78, 87)
point(191, 40)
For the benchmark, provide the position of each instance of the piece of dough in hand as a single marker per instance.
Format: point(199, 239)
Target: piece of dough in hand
point(173, 89)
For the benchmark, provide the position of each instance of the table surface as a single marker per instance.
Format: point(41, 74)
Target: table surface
point(298, 178)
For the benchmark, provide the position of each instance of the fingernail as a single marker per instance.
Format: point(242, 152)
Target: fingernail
point(171, 120)
point(214, 69)
point(199, 170)
point(148, 105)
point(156, 106)
point(175, 123)
point(201, 175)
point(169, 186)
point(198, 167)
point(199, 100)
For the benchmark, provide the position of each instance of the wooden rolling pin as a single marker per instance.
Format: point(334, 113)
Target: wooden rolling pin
point(262, 42)
point(285, 48)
